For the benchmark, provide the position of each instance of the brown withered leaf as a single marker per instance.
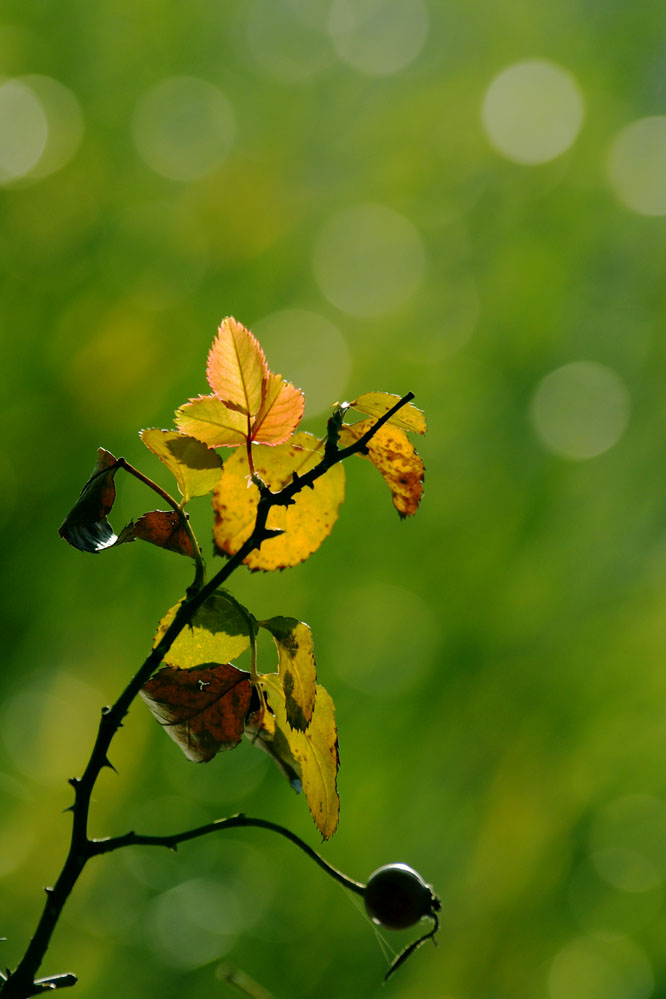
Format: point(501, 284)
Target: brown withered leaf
point(85, 527)
point(164, 529)
point(394, 456)
point(203, 709)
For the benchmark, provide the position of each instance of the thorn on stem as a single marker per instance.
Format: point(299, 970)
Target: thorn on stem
point(107, 763)
point(74, 781)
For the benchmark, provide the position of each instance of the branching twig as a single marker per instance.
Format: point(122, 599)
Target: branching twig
point(21, 983)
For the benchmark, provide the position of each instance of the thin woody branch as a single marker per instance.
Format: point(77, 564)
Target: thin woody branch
point(21, 983)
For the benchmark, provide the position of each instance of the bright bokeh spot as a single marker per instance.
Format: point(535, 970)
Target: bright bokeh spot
point(23, 130)
point(637, 165)
point(626, 869)
point(369, 260)
point(204, 915)
point(533, 111)
point(284, 41)
point(183, 128)
point(309, 351)
point(385, 639)
point(378, 37)
point(65, 124)
point(591, 969)
point(580, 410)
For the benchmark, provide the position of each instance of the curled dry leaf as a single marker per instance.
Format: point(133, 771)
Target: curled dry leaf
point(305, 523)
point(164, 529)
point(249, 403)
point(203, 709)
point(85, 527)
point(394, 455)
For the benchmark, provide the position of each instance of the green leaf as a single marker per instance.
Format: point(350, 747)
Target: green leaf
point(218, 632)
point(408, 416)
point(315, 753)
point(202, 709)
point(297, 668)
point(85, 527)
point(195, 467)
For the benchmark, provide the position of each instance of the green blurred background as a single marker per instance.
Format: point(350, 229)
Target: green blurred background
point(465, 201)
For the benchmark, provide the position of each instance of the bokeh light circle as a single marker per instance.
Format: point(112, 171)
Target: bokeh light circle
point(590, 969)
point(285, 41)
point(309, 351)
point(183, 128)
point(580, 410)
point(23, 130)
point(532, 111)
point(368, 260)
point(637, 165)
point(378, 37)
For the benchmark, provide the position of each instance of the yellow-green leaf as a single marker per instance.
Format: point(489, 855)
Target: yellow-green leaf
point(297, 668)
point(196, 468)
point(210, 421)
point(218, 632)
point(315, 751)
point(305, 524)
point(408, 417)
point(393, 454)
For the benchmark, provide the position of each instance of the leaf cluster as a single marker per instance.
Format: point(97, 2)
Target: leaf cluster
point(275, 497)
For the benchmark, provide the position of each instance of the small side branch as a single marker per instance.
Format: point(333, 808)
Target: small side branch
point(100, 846)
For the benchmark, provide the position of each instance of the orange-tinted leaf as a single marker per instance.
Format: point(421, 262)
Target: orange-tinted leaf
point(195, 467)
point(218, 631)
point(203, 709)
point(408, 416)
point(237, 368)
point(163, 528)
point(280, 413)
point(315, 753)
point(393, 454)
point(210, 421)
point(85, 526)
point(249, 403)
point(297, 668)
point(305, 524)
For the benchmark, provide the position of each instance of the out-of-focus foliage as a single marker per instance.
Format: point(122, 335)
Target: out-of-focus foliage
point(400, 194)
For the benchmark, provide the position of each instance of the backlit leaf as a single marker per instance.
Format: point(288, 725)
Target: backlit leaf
point(236, 367)
point(163, 528)
point(263, 733)
point(196, 468)
point(315, 752)
point(297, 669)
point(249, 403)
point(203, 709)
point(210, 421)
point(219, 631)
point(305, 524)
point(393, 454)
point(85, 526)
point(408, 416)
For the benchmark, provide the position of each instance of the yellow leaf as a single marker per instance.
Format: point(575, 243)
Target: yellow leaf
point(218, 632)
point(210, 421)
point(393, 454)
point(237, 368)
point(408, 416)
point(280, 413)
point(305, 524)
point(196, 468)
point(315, 751)
point(297, 668)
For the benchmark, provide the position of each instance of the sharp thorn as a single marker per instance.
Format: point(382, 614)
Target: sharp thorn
point(74, 781)
point(107, 763)
point(70, 808)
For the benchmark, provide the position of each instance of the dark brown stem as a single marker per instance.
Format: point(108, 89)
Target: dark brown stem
point(100, 846)
point(21, 984)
